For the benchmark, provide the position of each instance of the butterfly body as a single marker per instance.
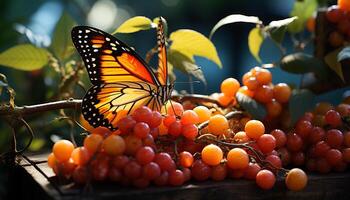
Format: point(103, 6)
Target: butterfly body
point(121, 80)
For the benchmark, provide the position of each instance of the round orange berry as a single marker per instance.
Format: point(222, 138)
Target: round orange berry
point(218, 125)
point(229, 87)
point(282, 92)
point(62, 150)
point(254, 129)
point(212, 154)
point(237, 158)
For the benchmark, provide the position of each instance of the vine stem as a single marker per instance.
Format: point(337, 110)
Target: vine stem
point(71, 103)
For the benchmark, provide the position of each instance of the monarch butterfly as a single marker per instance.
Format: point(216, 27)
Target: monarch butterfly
point(122, 80)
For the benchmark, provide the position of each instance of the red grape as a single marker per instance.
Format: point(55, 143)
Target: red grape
point(334, 138)
point(141, 130)
point(145, 155)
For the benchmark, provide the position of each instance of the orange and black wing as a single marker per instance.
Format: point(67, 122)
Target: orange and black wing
point(162, 72)
point(105, 104)
point(122, 80)
point(109, 60)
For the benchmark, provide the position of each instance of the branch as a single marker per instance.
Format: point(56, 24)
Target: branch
point(7, 111)
point(38, 108)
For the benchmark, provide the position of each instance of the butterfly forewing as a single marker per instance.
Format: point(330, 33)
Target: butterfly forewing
point(107, 59)
point(104, 105)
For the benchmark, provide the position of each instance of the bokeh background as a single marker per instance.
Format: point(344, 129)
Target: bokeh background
point(231, 41)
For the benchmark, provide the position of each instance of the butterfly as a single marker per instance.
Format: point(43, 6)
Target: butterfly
point(122, 81)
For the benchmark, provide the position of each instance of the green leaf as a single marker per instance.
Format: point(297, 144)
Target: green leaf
point(254, 108)
point(332, 61)
point(344, 54)
point(301, 63)
point(255, 39)
point(278, 28)
point(300, 102)
point(62, 45)
point(185, 65)
point(134, 24)
point(192, 43)
point(303, 10)
point(24, 57)
point(37, 144)
point(233, 19)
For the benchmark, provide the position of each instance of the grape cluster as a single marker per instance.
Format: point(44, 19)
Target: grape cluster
point(320, 140)
point(130, 155)
point(257, 85)
point(339, 18)
point(189, 142)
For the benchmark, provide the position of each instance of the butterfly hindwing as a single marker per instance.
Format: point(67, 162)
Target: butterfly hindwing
point(104, 105)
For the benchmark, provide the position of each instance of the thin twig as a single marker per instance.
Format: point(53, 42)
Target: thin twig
point(31, 134)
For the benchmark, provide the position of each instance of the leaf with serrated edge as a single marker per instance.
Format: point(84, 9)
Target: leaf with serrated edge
point(300, 102)
point(62, 45)
point(233, 19)
point(134, 24)
point(24, 57)
point(254, 108)
point(192, 43)
point(255, 39)
point(332, 61)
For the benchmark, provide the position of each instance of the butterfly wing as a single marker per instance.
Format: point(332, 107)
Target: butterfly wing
point(122, 80)
point(107, 59)
point(104, 105)
point(162, 73)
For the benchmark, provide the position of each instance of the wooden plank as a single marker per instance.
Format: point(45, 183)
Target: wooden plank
point(330, 186)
